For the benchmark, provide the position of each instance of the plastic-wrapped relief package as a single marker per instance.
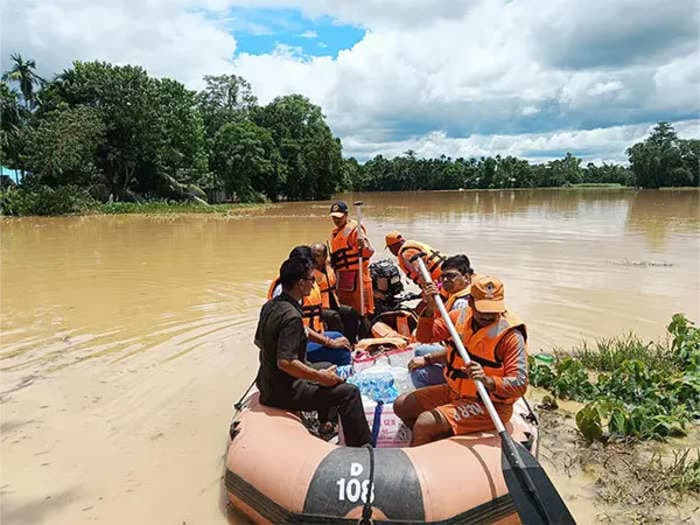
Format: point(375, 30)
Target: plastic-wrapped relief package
point(382, 381)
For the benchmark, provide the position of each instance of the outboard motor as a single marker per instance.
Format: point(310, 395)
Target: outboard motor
point(389, 295)
point(386, 280)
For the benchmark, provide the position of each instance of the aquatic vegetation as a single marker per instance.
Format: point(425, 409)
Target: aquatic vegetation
point(45, 200)
point(644, 390)
point(166, 207)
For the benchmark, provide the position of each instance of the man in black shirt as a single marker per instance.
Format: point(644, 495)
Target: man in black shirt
point(285, 380)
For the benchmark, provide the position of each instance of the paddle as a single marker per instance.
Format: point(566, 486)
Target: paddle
point(360, 275)
point(534, 497)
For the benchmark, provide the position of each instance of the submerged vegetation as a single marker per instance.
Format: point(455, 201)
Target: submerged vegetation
point(631, 388)
point(100, 133)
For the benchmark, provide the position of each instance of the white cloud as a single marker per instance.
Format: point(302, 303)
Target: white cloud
point(163, 37)
point(484, 73)
point(309, 34)
point(594, 145)
point(601, 88)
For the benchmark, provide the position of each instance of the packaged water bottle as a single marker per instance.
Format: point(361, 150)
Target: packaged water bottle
point(344, 371)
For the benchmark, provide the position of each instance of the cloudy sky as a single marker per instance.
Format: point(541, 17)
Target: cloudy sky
point(532, 78)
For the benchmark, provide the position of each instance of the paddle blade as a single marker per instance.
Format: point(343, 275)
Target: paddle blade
point(534, 495)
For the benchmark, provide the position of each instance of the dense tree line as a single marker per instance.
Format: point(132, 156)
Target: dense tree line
point(124, 135)
point(660, 160)
point(113, 133)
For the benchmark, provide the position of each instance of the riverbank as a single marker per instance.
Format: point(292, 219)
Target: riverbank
point(623, 413)
point(627, 481)
point(60, 202)
point(165, 208)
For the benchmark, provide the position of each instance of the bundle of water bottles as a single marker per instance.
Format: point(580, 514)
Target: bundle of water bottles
point(382, 382)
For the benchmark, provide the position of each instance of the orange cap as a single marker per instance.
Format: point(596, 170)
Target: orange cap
point(488, 295)
point(393, 237)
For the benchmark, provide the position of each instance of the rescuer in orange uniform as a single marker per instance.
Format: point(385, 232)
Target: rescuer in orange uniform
point(347, 244)
point(496, 342)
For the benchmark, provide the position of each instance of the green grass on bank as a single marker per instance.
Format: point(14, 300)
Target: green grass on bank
point(72, 200)
point(168, 207)
point(599, 185)
point(631, 388)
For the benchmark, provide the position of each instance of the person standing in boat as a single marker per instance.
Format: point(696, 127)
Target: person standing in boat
point(336, 316)
point(496, 341)
point(347, 245)
point(456, 276)
point(285, 379)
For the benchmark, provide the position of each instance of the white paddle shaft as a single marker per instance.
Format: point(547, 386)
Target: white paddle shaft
point(483, 394)
point(360, 273)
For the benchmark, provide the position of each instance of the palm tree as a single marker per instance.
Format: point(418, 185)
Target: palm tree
point(24, 72)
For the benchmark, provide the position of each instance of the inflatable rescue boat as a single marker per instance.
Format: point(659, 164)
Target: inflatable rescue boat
point(278, 472)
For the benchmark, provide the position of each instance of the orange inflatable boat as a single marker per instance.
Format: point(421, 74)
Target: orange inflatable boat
point(277, 472)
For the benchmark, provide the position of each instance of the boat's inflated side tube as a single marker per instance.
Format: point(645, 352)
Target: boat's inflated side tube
point(276, 472)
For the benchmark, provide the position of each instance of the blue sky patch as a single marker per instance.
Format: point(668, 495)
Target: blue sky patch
point(260, 31)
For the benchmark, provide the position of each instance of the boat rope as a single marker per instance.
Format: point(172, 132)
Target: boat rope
point(367, 507)
point(239, 405)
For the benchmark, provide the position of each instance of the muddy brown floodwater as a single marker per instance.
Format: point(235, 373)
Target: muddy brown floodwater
point(126, 339)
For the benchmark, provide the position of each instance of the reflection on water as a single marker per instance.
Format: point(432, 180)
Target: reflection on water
point(658, 213)
point(111, 287)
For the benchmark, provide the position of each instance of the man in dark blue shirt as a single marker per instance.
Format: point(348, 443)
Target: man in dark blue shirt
point(285, 379)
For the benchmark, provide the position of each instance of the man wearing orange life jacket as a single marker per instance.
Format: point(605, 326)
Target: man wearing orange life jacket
point(323, 346)
point(405, 250)
point(335, 316)
point(347, 244)
point(496, 342)
point(456, 279)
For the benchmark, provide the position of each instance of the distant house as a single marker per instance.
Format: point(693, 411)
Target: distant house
point(7, 174)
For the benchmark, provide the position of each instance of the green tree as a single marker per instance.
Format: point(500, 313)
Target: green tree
point(180, 149)
point(62, 148)
point(607, 173)
point(658, 161)
point(352, 174)
point(24, 73)
point(690, 156)
point(512, 173)
point(310, 155)
point(487, 171)
point(154, 137)
point(245, 157)
point(224, 99)
point(13, 118)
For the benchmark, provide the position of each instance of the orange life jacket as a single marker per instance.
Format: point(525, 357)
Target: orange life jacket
point(457, 295)
point(311, 306)
point(343, 257)
point(481, 346)
point(402, 325)
point(326, 283)
point(345, 260)
point(432, 259)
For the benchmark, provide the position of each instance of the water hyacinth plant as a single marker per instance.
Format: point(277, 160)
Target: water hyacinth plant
point(643, 390)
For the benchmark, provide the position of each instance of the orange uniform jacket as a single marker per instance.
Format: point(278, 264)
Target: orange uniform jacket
point(432, 259)
point(346, 263)
point(326, 282)
point(311, 307)
point(500, 348)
